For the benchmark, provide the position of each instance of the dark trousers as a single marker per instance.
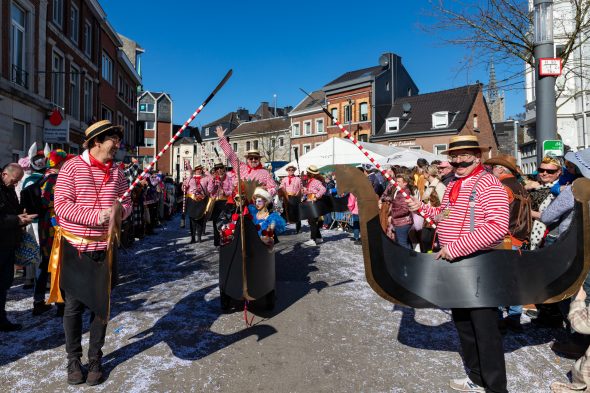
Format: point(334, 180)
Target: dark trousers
point(197, 227)
point(298, 226)
point(481, 344)
point(426, 238)
point(74, 309)
point(314, 227)
point(41, 280)
point(6, 277)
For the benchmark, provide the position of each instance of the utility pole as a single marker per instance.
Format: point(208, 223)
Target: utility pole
point(545, 109)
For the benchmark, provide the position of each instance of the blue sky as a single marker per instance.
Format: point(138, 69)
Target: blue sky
point(276, 47)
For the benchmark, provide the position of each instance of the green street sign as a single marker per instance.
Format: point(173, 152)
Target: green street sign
point(553, 148)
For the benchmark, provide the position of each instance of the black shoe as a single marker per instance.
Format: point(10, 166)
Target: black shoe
point(75, 375)
point(8, 326)
point(513, 324)
point(358, 243)
point(28, 286)
point(40, 308)
point(199, 240)
point(569, 349)
point(547, 322)
point(94, 372)
point(192, 240)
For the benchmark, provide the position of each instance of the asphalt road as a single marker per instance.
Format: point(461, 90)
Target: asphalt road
point(329, 332)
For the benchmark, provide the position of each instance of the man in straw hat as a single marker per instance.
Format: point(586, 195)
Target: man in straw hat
point(291, 186)
point(473, 216)
point(197, 195)
point(83, 257)
point(221, 188)
point(314, 190)
point(253, 169)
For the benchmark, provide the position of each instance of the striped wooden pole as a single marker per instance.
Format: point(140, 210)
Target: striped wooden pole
point(372, 159)
point(176, 136)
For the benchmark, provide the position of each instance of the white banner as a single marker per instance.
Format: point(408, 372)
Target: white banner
point(56, 134)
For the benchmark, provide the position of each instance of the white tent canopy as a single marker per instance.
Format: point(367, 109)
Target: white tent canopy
point(408, 157)
point(338, 151)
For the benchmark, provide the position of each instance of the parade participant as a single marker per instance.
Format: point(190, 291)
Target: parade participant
point(220, 187)
point(253, 170)
point(267, 223)
point(55, 160)
point(291, 185)
point(197, 195)
point(312, 191)
point(12, 222)
point(446, 172)
point(473, 216)
point(87, 188)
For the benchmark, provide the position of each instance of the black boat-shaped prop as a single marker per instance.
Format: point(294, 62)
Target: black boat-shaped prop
point(487, 279)
point(249, 278)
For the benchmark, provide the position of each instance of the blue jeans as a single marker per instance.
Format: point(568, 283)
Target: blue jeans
point(356, 227)
point(401, 235)
point(328, 219)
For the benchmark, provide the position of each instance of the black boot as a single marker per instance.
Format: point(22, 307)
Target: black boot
point(40, 307)
point(94, 372)
point(193, 240)
point(75, 375)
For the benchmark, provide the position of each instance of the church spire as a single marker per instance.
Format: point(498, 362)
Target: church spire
point(492, 87)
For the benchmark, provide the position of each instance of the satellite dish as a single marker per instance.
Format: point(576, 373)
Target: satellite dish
point(384, 60)
point(407, 107)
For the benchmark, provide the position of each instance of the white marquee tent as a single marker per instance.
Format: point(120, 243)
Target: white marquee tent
point(408, 157)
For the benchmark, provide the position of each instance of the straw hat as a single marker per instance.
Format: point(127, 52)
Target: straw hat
point(505, 160)
point(312, 169)
point(461, 142)
point(261, 192)
point(291, 166)
point(100, 127)
point(218, 165)
point(252, 153)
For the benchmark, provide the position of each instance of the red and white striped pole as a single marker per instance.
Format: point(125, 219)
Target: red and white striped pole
point(368, 155)
point(176, 136)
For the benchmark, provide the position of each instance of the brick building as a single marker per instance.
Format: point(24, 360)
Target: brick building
point(427, 121)
point(308, 123)
point(154, 118)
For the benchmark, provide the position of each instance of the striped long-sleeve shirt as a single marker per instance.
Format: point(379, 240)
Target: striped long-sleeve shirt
point(491, 216)
point(81, 194)
point(219, 187)
point(260, 175)
point(198, 185)
point(316, 187)
point(291, 185)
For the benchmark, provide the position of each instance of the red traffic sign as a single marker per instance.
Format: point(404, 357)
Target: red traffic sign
point(550, 66)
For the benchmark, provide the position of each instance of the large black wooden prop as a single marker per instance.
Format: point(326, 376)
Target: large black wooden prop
point(196, 209)
point(487, 279)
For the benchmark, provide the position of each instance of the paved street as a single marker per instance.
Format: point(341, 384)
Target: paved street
point(328, 333)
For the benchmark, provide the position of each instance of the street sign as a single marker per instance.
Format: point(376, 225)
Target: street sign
point(56, 133)
point(550, 67)
point(553, 148)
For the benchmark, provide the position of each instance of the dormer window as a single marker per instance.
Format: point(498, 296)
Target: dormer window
point(392, 124)
point(440, 119)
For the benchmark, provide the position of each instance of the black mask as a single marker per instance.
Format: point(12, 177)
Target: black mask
point(464, 164)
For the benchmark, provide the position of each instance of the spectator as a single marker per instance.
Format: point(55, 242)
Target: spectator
point(446, 172)
point(353, 207)
point(418, 176)
point(400, 216)
point(12, 222)
point(432, 197)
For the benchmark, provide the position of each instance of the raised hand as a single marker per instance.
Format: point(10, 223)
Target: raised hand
point(220, 131)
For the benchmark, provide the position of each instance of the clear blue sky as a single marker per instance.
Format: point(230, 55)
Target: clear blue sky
point(275, 47)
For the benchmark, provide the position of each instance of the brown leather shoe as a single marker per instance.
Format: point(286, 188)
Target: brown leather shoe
point(75, 375)
point(94, 372)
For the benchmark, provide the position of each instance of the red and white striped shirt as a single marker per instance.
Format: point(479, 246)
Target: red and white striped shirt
point(491, 216)
point(197, 185)
point(291, 185)
point(81, 194)
point(218, 187)
point(260, 175)
point(316, 187)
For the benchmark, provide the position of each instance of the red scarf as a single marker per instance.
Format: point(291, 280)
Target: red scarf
point(250, 169)
point(290, 178)
point(454, 194)
point(106, 168)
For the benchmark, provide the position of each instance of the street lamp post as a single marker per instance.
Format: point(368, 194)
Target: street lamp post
point(545, 109)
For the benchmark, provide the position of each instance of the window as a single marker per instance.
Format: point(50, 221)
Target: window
point(235, 146)
point(440, 119)
point(256, 144)
point(392, 124)
point(149, 142)
point(438, 149)
point(74, 23)
point(150, 125)
point(296, 129)
point(126, 137)
point(19, 136)
point(106, 114)
point(363, 138)
point(207, 131)
point(88, 112)
point(119, 119)
point(74, 92)
point(107, 68)
point(306, 149)
point(319, 126)
point(88, 39)
point(363, 111)
point(120, 86)
point(409, 92)
point(131, 133)
point(18, 47)
point(149, 108)
point(347, 113)
point(307, 127)
point(281, 141)
point(58, 12)
point(334, 112)
point(475, 125)
point(57, 80)
point(248, 146)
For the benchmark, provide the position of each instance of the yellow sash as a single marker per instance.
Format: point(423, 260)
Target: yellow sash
point(56, 256)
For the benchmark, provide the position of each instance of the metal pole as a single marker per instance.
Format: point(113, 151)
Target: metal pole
point(545, 109)
point(516, 155)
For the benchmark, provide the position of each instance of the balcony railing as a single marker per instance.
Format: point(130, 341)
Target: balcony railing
point(20, 76)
